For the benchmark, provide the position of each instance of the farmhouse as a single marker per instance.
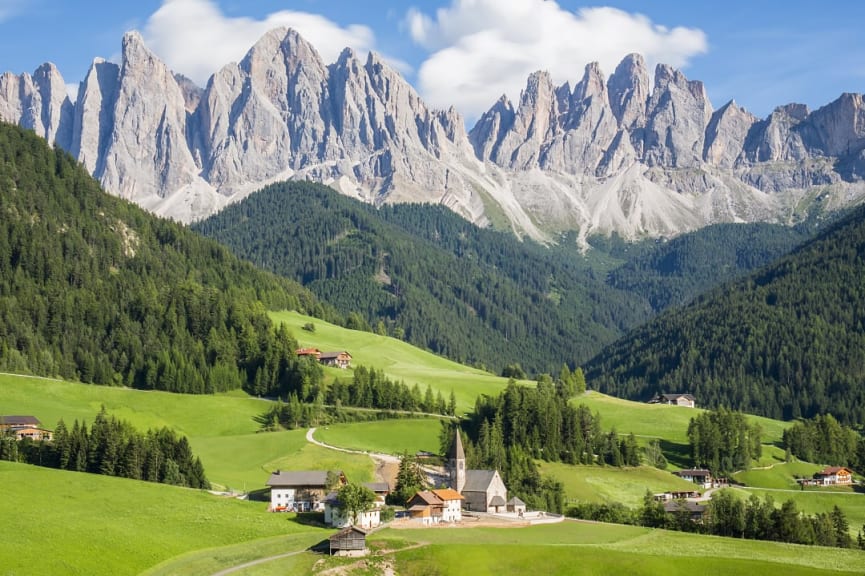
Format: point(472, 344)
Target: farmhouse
point(337, 359)
point(24, 427)
point(695, 510)
point(381, 490)
point(697, 476)
point(311, 352)
point(426, 507)
point(434, 506)
point(335, 516)
point(834, 476)
point(350, 541)
point(483, 490)
point(674, 400)
point(301, 491)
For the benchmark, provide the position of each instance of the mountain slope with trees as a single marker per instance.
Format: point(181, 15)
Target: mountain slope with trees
point(475, 295)
point(422, 273)
point(93, 288)
point(785, 342)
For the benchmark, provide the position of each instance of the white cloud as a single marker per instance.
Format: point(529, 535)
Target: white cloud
point(481, 49)
point(195, 38)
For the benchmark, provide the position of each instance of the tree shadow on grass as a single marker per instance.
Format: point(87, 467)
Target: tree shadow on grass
point(677, 454)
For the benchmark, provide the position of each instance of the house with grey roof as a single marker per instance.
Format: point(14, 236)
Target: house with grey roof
point(302, 491)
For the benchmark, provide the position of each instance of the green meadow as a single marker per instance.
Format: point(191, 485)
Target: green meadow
point(609, 484)
point(668, 423)
point(398, 359)
point(221, 429)
point(75, 523)
point(386, 436)
point(593, 548)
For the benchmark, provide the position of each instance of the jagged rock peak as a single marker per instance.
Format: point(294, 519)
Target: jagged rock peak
point(628, 89)
point(592, 83)
point(135, 51)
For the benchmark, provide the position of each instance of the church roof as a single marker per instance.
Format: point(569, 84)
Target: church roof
point(478, 480)
point(497, 501)
point(456, 451)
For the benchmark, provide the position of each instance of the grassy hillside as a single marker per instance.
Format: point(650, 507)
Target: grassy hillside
point(387, 436)
point(590, 548)
point(221, 429)
point(784, 342)
point(75, 523)
point(398, 359)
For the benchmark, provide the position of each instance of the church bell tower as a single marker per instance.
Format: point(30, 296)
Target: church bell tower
point(457, 463)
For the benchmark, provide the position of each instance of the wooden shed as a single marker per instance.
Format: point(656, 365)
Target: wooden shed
point(350, 541)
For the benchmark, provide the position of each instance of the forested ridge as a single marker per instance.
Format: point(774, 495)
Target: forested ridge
point(93, 288)
point(785, 342)
point(478, 296)
point(674, 272)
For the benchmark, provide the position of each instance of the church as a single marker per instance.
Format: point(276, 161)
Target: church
point(483, 490)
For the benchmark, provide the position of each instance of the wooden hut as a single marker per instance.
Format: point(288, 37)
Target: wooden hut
point(350, 541)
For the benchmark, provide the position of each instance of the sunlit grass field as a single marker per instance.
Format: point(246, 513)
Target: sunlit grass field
point(591, 548)
point(62, 522)
point(387, 436)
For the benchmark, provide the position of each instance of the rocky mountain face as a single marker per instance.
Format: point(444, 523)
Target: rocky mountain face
point(630, 153)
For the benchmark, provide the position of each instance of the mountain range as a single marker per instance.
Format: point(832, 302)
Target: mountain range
point(634, 153)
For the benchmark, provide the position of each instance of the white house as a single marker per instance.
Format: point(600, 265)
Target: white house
point(452, 504)
point(698, 476)
point(300, 491)
point(335, 516)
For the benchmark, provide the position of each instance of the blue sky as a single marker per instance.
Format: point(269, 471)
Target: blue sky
point(763, 53)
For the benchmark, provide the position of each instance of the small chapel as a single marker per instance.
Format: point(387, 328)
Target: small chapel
point(482, 490)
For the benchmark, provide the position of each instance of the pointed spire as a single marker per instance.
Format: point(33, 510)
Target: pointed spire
point(457, 452)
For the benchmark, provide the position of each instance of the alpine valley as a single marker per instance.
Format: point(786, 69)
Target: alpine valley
point(639, 154)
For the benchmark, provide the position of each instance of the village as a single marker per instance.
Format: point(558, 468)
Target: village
point(457, 496)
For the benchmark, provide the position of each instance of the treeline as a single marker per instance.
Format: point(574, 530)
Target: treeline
point(724, 442)
point(114, 448)
point(517, 467)
point(315, 403)
point(541, 422)
point(728, 515)
point(787, 342)
point(822, 439)
point(676, 271)
point(92, 288)
point(424, 274)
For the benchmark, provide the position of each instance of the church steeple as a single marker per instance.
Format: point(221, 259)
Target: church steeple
point(457, 463)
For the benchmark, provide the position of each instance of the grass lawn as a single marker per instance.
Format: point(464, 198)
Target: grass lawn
point(592, 548)
point(211, 561)
point(610, 484)
point(660, 421)
point(245, 462)
point(191, 415)
point(387, 436)
point(221, 429)
point(398, 359)
point(781, 475)
point(77, 523)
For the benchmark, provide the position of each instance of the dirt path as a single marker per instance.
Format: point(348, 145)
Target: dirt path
point(256, 562)
point(386, 465)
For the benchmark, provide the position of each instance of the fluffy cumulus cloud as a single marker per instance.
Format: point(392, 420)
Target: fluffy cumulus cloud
point(481, 49)
point(196, 38)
